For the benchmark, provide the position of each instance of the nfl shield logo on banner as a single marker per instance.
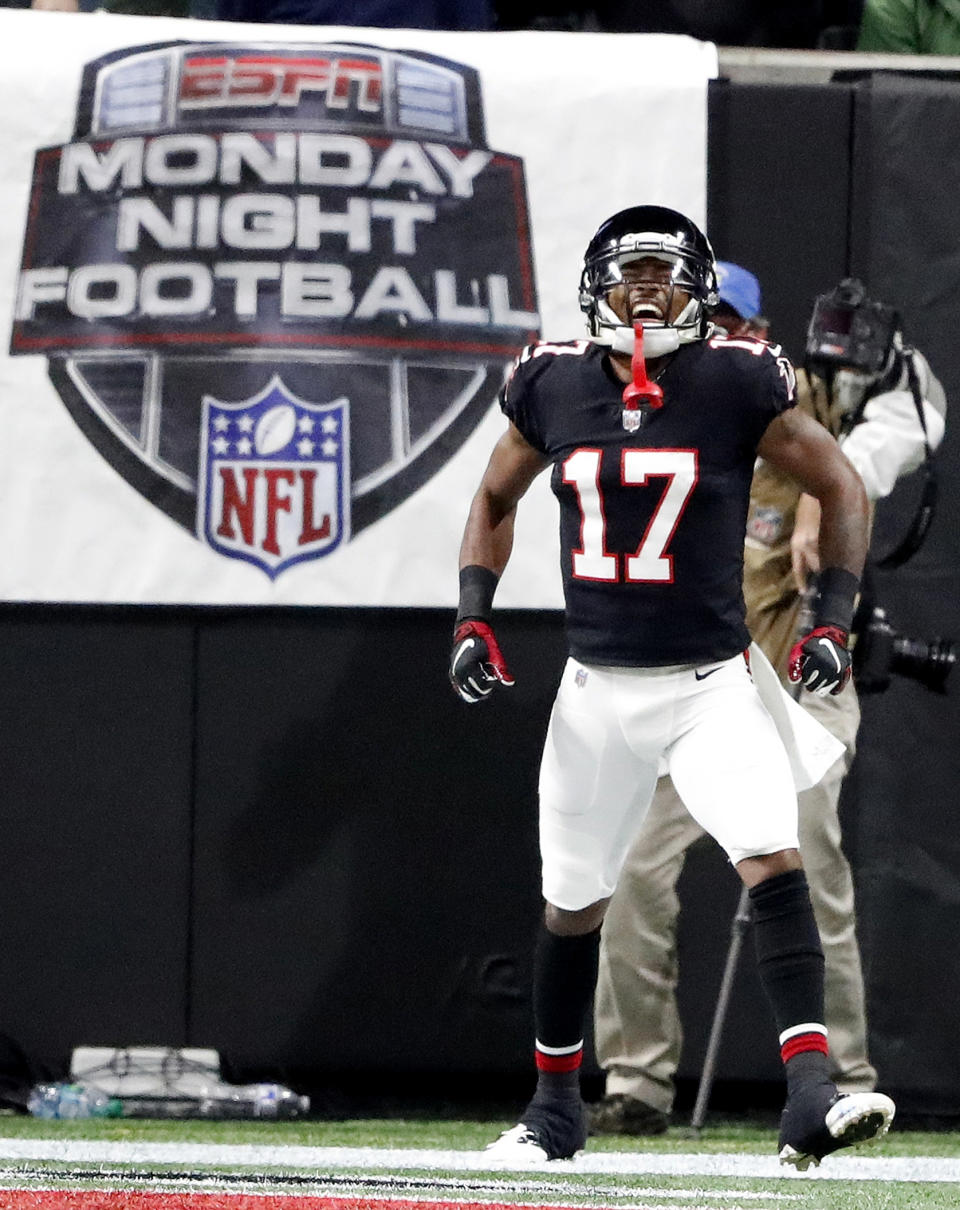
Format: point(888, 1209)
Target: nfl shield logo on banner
point(274, 489)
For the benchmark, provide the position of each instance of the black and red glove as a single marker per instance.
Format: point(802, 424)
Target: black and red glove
point(477, 665)
point(821, 660)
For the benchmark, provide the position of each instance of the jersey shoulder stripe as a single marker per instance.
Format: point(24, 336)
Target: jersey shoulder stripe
point(770, 356)
point(540, 355)
point(547, 348)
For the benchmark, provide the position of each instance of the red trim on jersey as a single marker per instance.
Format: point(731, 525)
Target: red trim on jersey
point(801, 1043)
point(568, 1062)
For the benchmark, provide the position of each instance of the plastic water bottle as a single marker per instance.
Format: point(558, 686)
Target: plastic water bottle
point(253, 1101)
point(63, 1100)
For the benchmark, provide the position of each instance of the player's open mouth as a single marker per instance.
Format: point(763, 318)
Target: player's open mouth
point(645, 310)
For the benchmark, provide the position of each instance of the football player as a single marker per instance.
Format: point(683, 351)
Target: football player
point(651, 428)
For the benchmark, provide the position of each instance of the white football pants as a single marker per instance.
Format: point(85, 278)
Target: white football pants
point(614, 730)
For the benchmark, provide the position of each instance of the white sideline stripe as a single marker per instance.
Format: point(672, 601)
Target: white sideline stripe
point(835, 1167)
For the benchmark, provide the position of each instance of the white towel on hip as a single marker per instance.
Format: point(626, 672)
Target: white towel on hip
point(810, 746)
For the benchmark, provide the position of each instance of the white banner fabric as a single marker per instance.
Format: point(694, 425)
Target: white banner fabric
point(261, 285)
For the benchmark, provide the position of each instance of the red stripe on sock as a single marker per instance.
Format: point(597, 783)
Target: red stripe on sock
point(802, 1042)
point(568, 1062)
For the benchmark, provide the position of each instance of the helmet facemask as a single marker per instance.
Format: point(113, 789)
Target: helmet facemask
point(691, 270)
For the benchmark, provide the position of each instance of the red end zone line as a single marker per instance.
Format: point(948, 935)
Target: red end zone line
point(124, 1199)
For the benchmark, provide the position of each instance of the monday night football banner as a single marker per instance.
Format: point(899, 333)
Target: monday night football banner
point(262, 284)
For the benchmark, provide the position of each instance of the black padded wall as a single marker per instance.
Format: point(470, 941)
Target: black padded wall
point(96, 714)
point(778, 190)
point(903, 806)
point(367, 881)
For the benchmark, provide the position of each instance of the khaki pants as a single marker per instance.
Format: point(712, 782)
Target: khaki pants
point(637, 1030)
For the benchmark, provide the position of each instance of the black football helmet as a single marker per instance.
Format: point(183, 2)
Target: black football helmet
point(667, 235)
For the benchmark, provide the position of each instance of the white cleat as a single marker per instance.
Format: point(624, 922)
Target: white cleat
point(862, 1117)
point(517, 1146)
point(854, 1119)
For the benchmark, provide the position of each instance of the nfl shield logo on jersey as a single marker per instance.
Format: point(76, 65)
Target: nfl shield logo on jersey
point(273, 479)
point(764, 525)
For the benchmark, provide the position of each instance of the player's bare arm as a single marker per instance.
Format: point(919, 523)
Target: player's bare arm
point(803, 449)
point(477, 664)
point(800, 447)
point(488, 537)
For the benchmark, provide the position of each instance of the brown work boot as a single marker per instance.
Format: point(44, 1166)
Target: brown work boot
point(620, 1114)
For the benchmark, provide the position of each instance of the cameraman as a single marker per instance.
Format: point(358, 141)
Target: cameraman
point(859, 374)
point(857, 384)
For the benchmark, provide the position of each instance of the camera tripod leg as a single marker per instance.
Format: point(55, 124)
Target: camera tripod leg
point(738, 930)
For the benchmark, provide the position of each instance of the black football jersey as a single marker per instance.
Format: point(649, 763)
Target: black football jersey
point(651, 522)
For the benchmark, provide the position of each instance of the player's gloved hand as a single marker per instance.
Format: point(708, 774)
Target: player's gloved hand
point(821, 660)
point(477, 665)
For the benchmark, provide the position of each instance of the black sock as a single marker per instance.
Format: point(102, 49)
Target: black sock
point(564, 979)
point(790, 960)
point(809, 1066)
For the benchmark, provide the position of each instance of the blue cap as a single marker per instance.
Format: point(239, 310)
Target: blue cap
point(738, 288)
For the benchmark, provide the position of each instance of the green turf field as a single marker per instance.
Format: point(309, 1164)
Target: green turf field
point(363, 1163)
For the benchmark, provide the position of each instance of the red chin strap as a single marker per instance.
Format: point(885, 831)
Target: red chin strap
point(640, 392)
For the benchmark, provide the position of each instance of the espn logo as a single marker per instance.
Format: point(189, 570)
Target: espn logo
point(221, 81)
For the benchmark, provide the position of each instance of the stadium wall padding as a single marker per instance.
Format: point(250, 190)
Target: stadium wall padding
point(277, 832)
